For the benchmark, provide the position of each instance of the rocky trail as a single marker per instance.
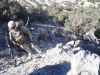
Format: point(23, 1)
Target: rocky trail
point(58, 58)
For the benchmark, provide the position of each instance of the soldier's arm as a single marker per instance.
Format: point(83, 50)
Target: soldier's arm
point(11, 38)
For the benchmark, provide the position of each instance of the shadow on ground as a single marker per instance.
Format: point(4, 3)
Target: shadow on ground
point(59, 69)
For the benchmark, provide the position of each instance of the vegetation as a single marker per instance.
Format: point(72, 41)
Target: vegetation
point(69, 16)
point(90, 17)
point(11, 11)
point(37, 14)
point(93, 1)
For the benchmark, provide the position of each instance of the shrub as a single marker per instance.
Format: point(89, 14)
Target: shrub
point(11, 10)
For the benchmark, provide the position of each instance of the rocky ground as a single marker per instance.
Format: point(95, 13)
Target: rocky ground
point(58, 58)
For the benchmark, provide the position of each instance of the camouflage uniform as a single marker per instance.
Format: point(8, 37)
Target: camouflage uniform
point(22, 37)
point(43, 35)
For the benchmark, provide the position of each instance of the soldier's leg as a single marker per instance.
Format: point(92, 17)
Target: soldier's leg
point(50, 38)
point(25, 47)
point(39, 38)
point(45, 39)
point(35, 47)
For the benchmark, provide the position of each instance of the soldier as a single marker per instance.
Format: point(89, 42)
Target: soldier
point(20, 35)
point(43, 35)
point(93, 41)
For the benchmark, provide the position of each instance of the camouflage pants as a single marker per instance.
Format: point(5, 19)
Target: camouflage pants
point(41, 37)
point(44, 38)
point(26, 47)
point(29, 47)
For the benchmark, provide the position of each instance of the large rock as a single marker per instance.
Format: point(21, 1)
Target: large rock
point(84, 63)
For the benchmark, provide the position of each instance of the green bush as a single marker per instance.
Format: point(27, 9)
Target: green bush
point(11, 11)
point(69, 15)
point(38, 14)
point(90, 17)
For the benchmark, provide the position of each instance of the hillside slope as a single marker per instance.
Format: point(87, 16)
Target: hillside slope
point(58, 58)
point(27, 3)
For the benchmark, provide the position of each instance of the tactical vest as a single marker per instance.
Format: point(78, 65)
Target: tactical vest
point(19, 37)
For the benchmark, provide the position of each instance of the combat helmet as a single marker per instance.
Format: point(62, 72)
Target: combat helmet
point(11, 24)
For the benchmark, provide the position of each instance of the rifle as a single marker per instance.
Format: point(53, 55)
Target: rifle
point(33, 45)
point(27, 21)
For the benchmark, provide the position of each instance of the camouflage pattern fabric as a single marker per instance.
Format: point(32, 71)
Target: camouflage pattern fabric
point(44, 35)
point(23, 38)
point(20, 36)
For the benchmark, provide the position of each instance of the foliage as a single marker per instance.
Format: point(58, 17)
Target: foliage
point(90, 17)
point(57, 12)
point(68, 15)
point(38, 14)
point(11, 11)
point(93, 1)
